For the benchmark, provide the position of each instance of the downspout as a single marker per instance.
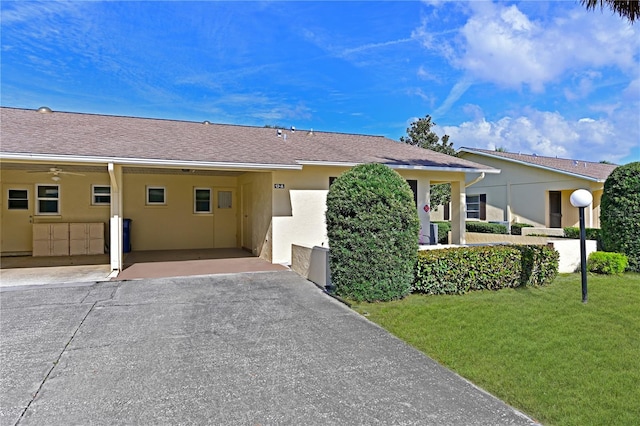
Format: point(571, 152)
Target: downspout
point(112, 177)
point(476, 180)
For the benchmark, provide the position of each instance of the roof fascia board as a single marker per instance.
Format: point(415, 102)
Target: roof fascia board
point(537, 166)
point(147, 162)
point(402, 167)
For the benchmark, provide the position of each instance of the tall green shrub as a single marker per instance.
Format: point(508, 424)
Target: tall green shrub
point(620, 213)
point(372, 225)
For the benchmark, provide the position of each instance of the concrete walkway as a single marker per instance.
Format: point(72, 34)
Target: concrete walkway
point(248, 349)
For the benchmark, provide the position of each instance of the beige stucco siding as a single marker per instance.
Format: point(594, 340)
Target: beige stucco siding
point(255, 191)
point(74, 204)
point(300, 205)
point(174, 225)
point(520, 193)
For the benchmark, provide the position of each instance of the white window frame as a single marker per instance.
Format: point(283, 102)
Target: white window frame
point(9, 199)
point(195, 201)
point(39, 199)
point(95, 194)
point(469, 203)
point(156, 203)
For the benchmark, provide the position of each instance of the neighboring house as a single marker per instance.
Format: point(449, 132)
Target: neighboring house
point(533, 189)
point(191, 185)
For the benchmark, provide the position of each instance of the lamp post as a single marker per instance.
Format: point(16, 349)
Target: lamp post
point(581, 198)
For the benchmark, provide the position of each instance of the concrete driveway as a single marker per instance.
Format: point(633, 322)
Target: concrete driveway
point(255, 348)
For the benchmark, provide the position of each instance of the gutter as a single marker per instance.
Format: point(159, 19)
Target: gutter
point(401, 166)
point(146, 162)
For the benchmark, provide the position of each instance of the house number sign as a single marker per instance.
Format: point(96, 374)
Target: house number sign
point(278, 185)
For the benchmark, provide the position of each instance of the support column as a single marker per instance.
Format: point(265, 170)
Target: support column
point(425, 217)
point(458, 212)
point(115, 221)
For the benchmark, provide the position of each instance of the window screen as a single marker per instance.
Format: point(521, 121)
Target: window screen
point(224, 199)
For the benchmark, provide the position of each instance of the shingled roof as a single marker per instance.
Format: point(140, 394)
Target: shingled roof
point(29, 134)
point(597, 172)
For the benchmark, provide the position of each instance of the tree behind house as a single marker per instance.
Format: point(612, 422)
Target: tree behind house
point(420, 134)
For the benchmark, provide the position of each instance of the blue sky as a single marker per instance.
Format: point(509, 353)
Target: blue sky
point(544, 77)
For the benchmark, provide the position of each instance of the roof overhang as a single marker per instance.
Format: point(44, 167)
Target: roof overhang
point(144, 162)
point(403, 167)
point(537, 166)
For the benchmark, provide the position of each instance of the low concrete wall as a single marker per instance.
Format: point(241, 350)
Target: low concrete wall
point(570, 253)
point(481, 238)
point(311, 263)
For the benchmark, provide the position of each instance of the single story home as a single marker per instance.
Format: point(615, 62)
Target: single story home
point(533, 189)
point(71, 181)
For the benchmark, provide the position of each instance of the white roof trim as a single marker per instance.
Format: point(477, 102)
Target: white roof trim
point(146, 162)
point(402, 166)
point(538, 166)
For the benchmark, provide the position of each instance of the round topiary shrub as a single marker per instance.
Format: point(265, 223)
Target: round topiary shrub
point(372, 225)
point(620, 213)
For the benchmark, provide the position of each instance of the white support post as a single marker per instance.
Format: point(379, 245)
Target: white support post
point(425, 216)
point(115, 222)
point(458, 212)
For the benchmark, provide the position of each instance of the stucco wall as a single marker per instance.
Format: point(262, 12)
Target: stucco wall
point(173, 225)
point(526, 189)
point(299, 207)
point(75, 205)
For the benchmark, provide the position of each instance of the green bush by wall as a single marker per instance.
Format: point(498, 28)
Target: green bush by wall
point(574, 232)
point(372, 225)
point(485, 227)
point(443, 232)
point(516, 228)
point(601, 262)
point(458, 270)
point(620, 213)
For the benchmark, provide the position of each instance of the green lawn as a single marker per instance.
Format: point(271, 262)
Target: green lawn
point(539, 349)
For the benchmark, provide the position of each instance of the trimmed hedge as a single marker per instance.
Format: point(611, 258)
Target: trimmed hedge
point(574, 232)
point(601, 262)
point(485, 227)
point(462, 269)
point(516, 228)
point(372, 225)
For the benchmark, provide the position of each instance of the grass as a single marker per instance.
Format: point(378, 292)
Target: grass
point(538, 349)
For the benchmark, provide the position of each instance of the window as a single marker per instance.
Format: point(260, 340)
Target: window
point(100, 195)
point(156, 195)
point(331, 180)
point(224, 199)
point(477, 206)
point(202, 200)
point(18, 199)
point(48, 199)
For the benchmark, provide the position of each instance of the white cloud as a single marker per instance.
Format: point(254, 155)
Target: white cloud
point(550, 134)
point(501, 45)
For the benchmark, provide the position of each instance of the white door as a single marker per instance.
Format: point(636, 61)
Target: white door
point(225, 218)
